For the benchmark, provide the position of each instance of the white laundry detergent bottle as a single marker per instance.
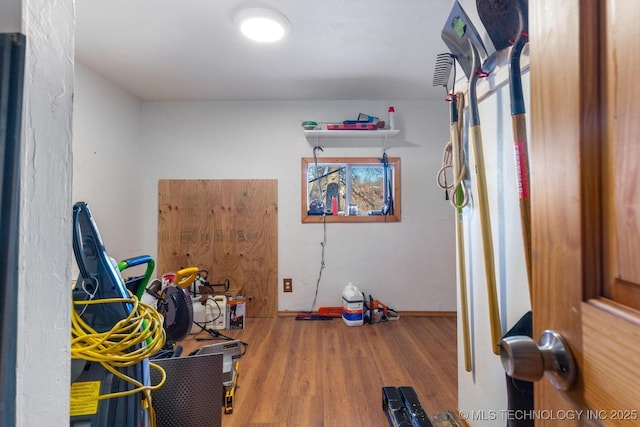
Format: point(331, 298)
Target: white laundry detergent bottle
point(352, 306)
point(217, 312)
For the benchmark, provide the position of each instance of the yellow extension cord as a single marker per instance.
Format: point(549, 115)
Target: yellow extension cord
point(115, 348)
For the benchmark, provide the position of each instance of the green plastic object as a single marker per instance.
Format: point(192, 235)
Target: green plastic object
point(143, 281)
point(139, 283)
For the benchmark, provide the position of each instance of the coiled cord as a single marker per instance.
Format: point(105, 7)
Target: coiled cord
point(122, 346)
point(457, 192)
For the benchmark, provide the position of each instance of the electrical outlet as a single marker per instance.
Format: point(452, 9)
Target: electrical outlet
point(287, 285)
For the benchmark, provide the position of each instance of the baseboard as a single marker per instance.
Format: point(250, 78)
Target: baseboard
point(427, 313)
point(288, 313)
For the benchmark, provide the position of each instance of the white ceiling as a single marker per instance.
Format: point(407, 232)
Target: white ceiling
point(162, 50)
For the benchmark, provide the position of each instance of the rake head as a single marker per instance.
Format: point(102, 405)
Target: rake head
point(442, 73)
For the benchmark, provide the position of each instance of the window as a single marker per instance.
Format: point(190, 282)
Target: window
point(363, 189)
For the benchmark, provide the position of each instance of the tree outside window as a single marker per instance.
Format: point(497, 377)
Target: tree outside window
point(361, 189)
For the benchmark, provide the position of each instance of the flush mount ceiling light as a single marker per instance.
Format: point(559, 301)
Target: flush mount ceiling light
point(262, 25)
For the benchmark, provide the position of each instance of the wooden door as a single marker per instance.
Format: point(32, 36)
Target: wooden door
point(585, 202)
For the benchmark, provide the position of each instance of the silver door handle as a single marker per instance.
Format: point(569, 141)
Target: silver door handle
point(523, 359)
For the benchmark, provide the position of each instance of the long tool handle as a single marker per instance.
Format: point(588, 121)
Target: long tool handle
point(519, 124)
point(475, 137)
point(464, 303)
point(487, 240)
point(462, 271)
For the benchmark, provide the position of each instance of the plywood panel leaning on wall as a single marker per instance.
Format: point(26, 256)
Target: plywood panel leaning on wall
point(227, 227)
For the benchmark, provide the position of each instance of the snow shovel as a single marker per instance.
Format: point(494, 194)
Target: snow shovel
point(506, 22)
point(462, 38)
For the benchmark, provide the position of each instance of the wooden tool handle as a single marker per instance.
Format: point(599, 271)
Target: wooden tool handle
point(454, 135)
point(521, 149)
point(464, 302)
point(487, 237)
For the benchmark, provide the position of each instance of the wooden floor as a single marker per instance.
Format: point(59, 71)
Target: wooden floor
point(324, 373)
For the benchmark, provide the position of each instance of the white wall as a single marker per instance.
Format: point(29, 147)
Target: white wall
point(408, 265)
point(482, 392)
point(108, 162)
point(44, 297)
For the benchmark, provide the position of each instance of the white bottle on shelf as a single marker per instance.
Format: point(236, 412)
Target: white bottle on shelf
point(392, 119)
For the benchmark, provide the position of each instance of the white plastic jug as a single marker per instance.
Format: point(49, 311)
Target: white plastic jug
point(217, 312)
point(199, 316)
point(352, 306)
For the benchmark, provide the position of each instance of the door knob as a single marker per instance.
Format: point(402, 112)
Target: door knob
point(523, 359)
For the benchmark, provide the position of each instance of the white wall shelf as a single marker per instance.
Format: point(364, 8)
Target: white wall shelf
point(381, 133)
point(345, 138)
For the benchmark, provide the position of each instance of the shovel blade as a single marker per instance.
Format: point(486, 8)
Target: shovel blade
point(457, 34)
point(502, 20)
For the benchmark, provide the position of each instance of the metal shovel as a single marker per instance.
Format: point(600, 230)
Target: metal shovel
point(506, 22)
